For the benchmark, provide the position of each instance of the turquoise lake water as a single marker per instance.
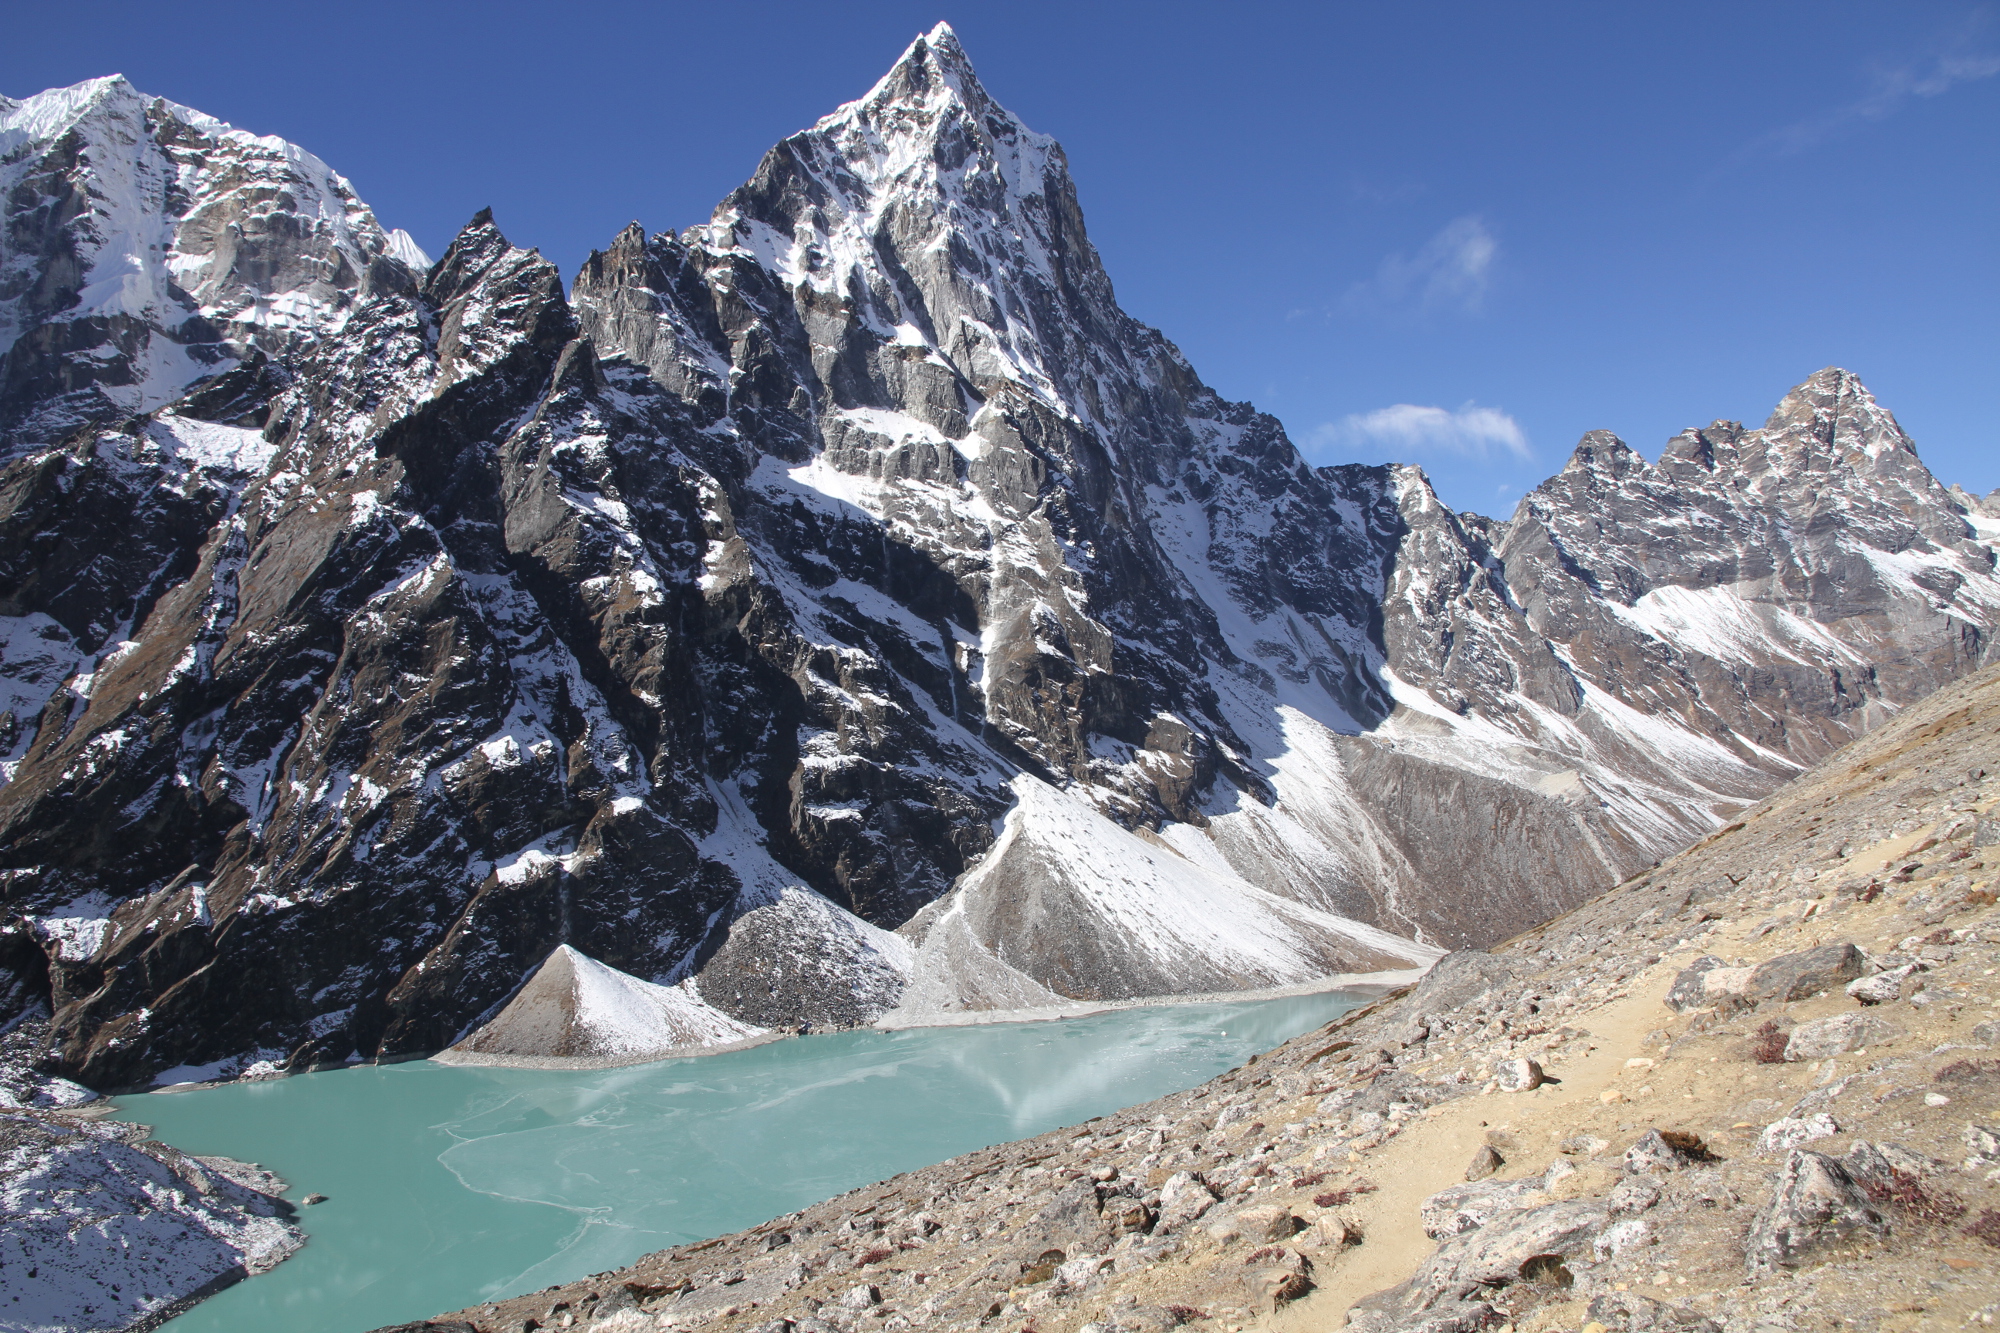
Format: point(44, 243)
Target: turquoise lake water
point(450, 1186)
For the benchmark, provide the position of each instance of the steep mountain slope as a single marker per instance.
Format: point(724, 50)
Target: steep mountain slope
point(845, 604)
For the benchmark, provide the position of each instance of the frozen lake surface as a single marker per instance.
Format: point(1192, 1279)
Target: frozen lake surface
point(451, 1185)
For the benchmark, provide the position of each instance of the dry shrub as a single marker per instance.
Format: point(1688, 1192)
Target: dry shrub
point(1767, 1044)
point(1987, 1228)
point(1688, 1145)
point(1904, 1191)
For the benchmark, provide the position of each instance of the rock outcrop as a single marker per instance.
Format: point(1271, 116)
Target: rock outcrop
point(842, 604)
point(108, 1230)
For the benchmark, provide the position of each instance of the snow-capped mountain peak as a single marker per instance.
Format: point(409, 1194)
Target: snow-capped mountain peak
point(168, 244)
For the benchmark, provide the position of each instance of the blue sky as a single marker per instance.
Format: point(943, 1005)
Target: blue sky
point(1456, 234)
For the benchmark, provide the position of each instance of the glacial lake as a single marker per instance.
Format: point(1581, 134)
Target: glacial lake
point(448, 1186)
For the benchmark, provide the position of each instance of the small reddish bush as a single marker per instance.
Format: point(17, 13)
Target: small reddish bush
point(1905, 1192)
point(1987, 1228)
point(1767, 1044)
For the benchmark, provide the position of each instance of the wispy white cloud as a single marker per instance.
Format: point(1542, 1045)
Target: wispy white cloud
point(1890, 90)
point(1451, 272)
point(1406, 429)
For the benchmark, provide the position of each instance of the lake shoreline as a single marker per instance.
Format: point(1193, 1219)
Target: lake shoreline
point(1365, 984)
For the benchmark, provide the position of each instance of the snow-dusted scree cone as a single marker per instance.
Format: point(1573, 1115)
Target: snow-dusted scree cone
point(839, 609)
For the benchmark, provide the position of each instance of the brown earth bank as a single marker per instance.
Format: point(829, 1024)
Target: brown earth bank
point(1754, 1089)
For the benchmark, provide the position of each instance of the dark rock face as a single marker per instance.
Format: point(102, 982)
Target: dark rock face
point(844, 603)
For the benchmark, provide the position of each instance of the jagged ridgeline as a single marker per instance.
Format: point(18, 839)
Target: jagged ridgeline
point(840, 607)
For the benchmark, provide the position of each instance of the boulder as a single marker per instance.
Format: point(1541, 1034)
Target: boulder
point(1072, 1217)
point(1183, 1199)
point(1633, 1195)
point(1882, 988)
point(1619, 1237)
point(1799, 976)
point(1880, 1164)
point(1518, 1075)
point(1814, 1203)
point(1268, 1224)
point(1502, 1251)
point(1823, 1038)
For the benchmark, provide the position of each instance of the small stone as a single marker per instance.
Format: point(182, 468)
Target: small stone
point(1611, 1096)
point(1484, 1163)
point(861, 1297)
point(1518, 1075)
point(1988, 1033)
point(311, 1199)
point(1936, 1099)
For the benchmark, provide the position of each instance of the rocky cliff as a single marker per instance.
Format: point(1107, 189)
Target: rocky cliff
point(843, 604)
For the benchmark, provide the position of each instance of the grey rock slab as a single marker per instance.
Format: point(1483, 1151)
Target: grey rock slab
point(1822, 1038)
point(1461, 1208)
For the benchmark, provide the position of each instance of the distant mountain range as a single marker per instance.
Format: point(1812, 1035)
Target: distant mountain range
point(842, 606)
